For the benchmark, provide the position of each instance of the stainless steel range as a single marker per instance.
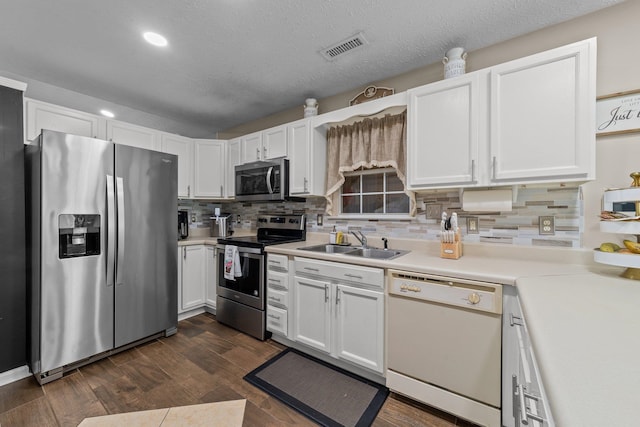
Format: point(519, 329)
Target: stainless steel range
point(241, 300)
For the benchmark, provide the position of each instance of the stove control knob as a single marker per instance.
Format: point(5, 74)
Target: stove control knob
point(473, 298)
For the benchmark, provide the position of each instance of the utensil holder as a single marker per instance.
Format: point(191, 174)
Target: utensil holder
point(451, 250)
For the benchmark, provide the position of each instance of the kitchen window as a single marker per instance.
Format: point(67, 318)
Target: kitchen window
point(374, 193)
point(366, 169)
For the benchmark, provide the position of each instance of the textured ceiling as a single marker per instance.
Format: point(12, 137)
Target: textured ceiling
point(232, 61)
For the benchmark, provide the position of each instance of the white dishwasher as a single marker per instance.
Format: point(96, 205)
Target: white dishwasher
point(444, 343)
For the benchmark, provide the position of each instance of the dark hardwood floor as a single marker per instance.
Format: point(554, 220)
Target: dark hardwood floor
point(204, 362)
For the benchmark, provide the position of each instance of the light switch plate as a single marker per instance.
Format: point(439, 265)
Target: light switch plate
point(547, 225)
point(319, 219)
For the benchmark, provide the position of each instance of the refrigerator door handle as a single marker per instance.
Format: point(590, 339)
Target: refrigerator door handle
point(121, 231)
point(111, 230)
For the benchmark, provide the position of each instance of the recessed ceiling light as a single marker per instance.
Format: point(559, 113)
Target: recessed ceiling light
point(155, 39)
point(107, 113)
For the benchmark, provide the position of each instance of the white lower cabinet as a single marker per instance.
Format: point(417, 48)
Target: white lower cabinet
point(277, 320)
point(313, 313)
point(339, 310)
point(192, 290)
point(196, 278)
point(210, 275)
point(359, 326)
point(278, 294)
point(524, 400)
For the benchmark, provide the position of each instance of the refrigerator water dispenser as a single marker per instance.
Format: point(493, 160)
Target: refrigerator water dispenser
point(78, 235)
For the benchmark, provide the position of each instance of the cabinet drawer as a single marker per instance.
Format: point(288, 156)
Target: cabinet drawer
point(277, 280)
point(278, 262)
point(278, 298)
point(365, 276)
point(276, 320)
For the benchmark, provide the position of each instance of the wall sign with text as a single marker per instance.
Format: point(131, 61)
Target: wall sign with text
point(618, 113)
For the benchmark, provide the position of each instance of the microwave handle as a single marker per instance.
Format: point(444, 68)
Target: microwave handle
point(269, 180)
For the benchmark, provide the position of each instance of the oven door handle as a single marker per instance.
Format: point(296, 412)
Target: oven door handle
point(269, 186)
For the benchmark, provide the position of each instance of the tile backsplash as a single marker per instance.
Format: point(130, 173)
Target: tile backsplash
point(517, 227)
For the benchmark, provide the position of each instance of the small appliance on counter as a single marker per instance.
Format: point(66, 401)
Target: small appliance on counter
point(183, 224)
point(221, 225)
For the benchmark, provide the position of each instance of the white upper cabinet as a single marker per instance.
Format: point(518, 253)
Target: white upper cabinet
point(530, 120)
point(274, 142)
point(209, 168)
point(251, 147)
point(264, 145)
point(542, 116)
point(183, 148)
point(41, 115)
point(132, 135)
point(443, 129)
point(233, 159)
point(307, 160)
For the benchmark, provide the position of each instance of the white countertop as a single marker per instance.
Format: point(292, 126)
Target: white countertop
point(583, 319)
point(585, 334)
point(487, 263)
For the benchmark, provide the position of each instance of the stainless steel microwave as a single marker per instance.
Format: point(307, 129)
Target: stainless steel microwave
point(262, 181)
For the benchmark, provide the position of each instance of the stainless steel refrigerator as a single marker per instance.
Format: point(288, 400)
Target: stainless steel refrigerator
point(102, 249)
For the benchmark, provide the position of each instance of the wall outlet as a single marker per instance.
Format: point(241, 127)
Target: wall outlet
point(547, 225)
point(473, 225)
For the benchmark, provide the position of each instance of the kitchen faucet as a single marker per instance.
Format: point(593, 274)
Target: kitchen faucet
point(362, 238)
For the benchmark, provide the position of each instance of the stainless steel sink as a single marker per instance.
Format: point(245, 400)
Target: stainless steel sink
point(328, 249)
point(376, 253)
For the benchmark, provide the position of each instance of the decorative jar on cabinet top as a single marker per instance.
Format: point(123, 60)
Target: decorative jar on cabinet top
point(454, 62)
point(310, 107)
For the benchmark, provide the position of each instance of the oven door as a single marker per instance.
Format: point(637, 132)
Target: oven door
point(247, 289)
point(259, 181)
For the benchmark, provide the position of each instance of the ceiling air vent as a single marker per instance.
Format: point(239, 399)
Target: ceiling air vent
point(348, 45)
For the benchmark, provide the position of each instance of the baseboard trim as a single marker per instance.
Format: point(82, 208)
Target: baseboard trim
point(14, 375)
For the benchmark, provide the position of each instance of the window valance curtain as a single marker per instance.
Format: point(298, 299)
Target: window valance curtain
point(370, 143)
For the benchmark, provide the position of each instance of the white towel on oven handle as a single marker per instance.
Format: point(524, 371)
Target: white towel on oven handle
point(232, 267)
